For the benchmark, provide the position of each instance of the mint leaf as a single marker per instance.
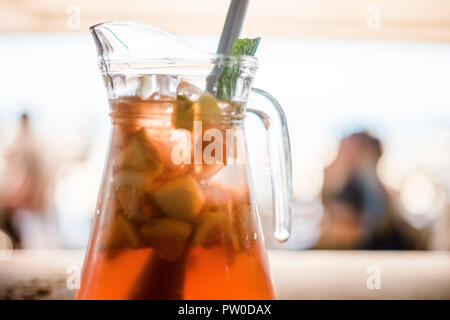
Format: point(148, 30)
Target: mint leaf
point(229, 76)
point(246, 47)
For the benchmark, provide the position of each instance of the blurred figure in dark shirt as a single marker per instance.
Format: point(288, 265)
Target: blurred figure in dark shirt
point(357, 208)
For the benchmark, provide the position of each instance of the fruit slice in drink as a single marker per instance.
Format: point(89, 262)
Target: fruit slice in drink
point(141, 155)
point(168, 237)
point(211, 228)
point(120, 233)
point(181, 198)
point(130, 186)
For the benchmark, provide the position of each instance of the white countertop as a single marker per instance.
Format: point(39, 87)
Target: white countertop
point(296, 274)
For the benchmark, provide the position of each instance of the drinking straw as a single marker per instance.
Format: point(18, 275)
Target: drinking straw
point(233, 25)
point(161, 279)
point(230, 33)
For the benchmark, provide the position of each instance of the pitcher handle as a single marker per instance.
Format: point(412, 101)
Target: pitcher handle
point(279, 148)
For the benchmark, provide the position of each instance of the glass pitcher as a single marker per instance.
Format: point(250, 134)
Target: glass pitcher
point(176, 216)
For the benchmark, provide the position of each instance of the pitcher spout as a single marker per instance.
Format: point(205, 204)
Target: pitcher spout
point(107, 42)
point(127, 41)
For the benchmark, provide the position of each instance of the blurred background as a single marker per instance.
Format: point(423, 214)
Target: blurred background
point(364, 85)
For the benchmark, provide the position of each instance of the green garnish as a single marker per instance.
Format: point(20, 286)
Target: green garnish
point(229, 76)
point(246, 47)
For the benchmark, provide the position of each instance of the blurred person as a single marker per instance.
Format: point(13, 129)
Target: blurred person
point(26, 192)
point(358, 211)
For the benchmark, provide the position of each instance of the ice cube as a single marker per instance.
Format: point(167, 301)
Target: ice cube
point(189, 90)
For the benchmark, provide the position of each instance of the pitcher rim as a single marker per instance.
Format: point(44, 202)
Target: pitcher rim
point(204, 58)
